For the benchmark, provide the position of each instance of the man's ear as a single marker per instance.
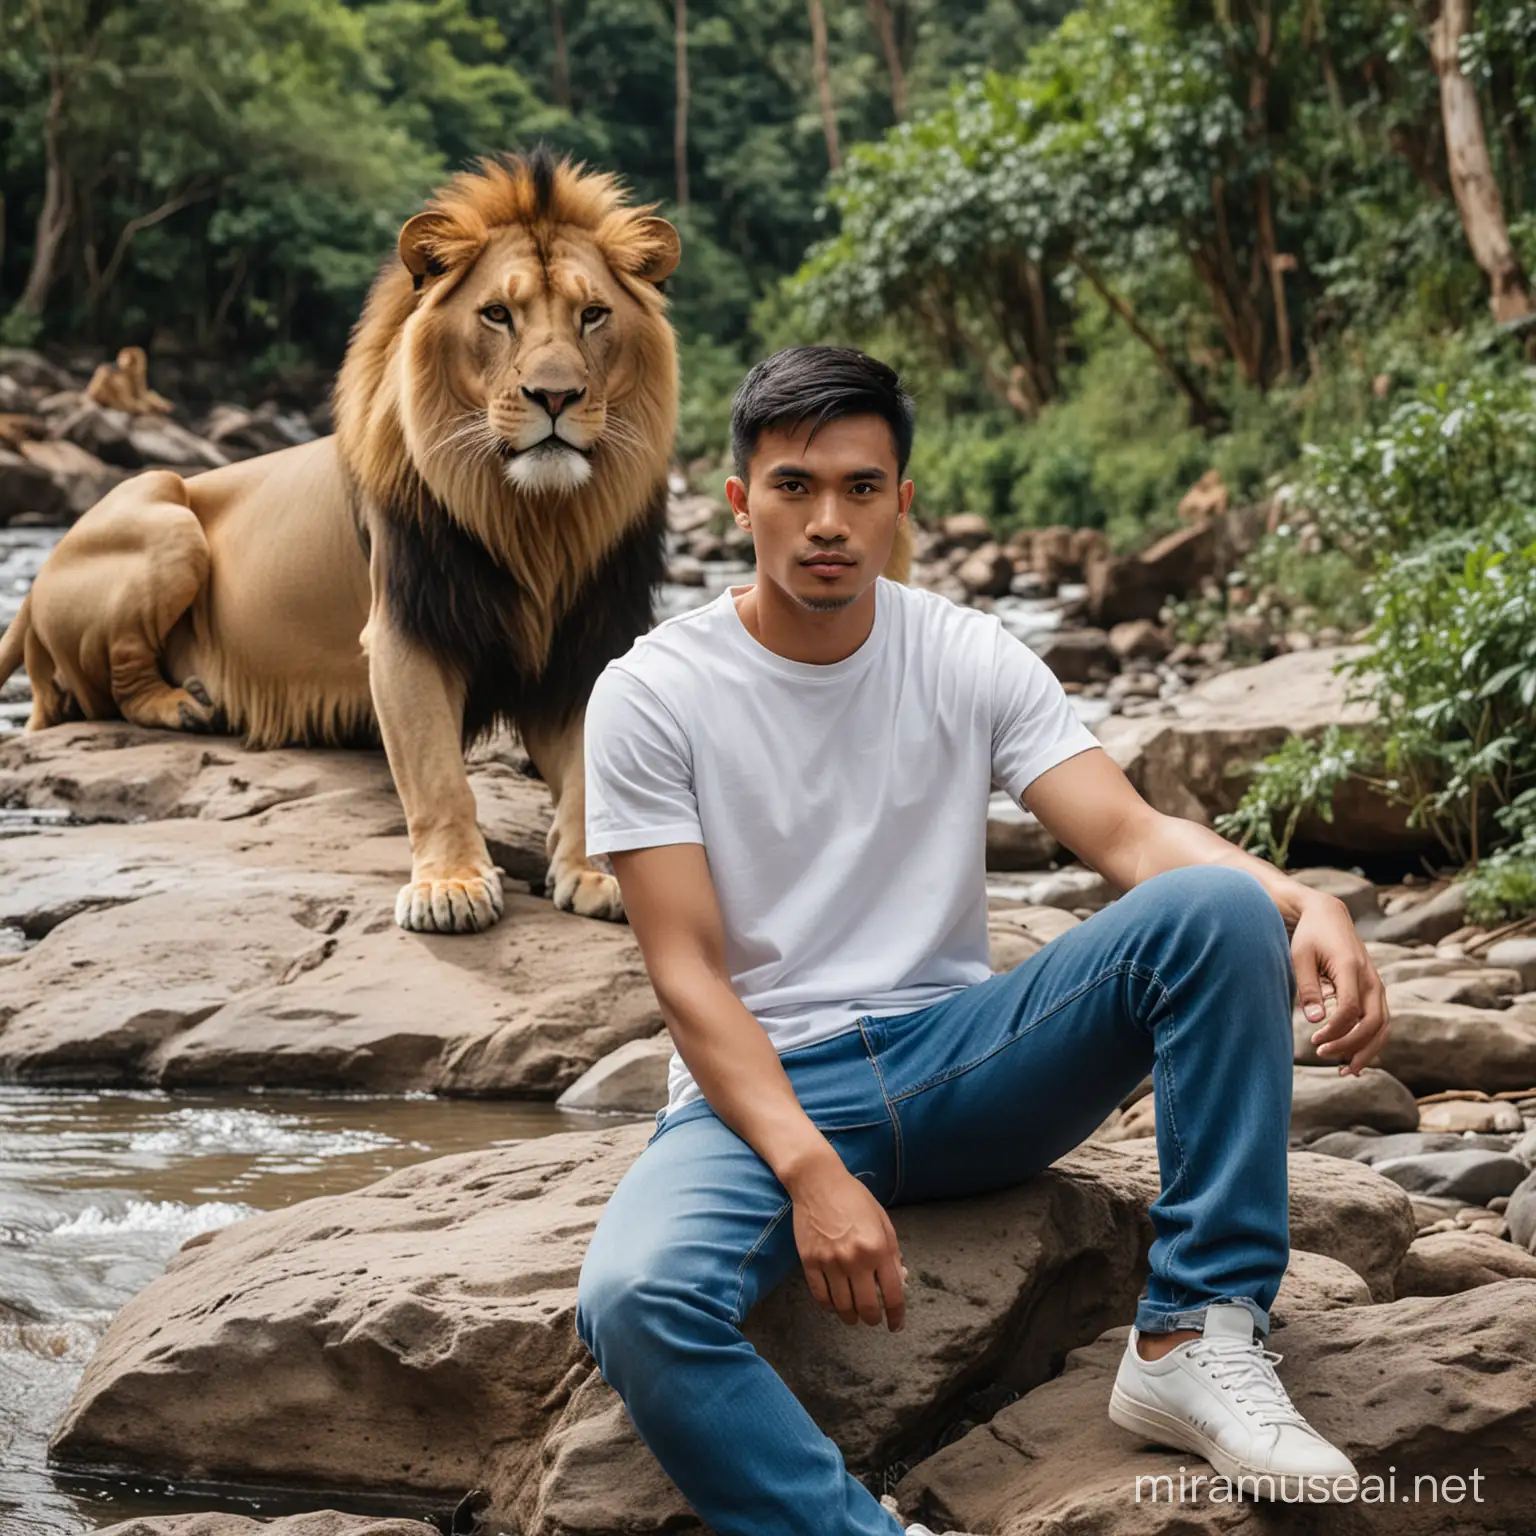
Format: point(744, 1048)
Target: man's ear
point(419, 238)
point(736, 495)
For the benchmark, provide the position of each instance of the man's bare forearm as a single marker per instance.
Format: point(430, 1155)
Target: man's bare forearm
point(740, 1074)
point(1170, 842)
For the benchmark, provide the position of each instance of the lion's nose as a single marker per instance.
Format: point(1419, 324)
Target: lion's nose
point(554, 400)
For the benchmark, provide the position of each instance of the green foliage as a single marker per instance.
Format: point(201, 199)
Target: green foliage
point(1300, 778)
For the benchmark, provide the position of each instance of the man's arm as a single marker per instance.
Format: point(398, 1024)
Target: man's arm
point(846, 1242)
point(1089, 805)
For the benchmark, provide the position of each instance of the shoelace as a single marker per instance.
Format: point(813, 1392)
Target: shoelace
point(1248, 1372)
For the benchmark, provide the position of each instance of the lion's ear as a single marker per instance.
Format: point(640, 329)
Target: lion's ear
point(658, 248)
point(418, 239)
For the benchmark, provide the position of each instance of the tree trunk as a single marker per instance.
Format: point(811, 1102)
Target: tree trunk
point(562, 80)
point(1472, 179)
point(885, 26)
point(824, 83)
point(1202, 413)
point(680, 123)
point(53, 221)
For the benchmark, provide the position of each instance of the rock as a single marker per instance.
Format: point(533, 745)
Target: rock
point(1470, 1115)
point(1479, 988)
point(1358, 894)
point(1518, 955)
point(241, 434)
point(1055, 556)
point(1404, 965)
point(1179, 761)
point(1321, 1097)
point(1472, 1175)
point(102, 433)
point(323, 1522)
point(1069, 888)
point(26, 487)
point(1140, 639)
point(1447, 1045)
point(32, 370)
point(1337, 1208)
point(311, 1346)
point(1077, 655)
point(1447, 1263)
point(1521, 1213)
point(1315, 1283)
point(632, 1078)
point(1426, 922)
point(1016, 839)
point(81, 476)
point(1136, 587)
point(1442, 1386)
point(988, 572)
point(253, 941)
point(157, 441)
point(1015, 933)
point(969, 529)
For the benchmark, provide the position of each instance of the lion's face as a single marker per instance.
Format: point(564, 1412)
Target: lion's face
point(530, 349)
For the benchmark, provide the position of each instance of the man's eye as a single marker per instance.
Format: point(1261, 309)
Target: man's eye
point(497, 314)
point(791, 485)
point(864, 485)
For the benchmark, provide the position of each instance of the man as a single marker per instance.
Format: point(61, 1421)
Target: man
point(791, 783)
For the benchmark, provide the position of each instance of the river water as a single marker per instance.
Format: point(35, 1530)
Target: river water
point(99, 1189)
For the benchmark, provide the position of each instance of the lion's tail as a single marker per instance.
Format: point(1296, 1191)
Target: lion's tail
point(12, 646)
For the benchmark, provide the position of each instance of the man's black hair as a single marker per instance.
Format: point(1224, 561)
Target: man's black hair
point(815, 385)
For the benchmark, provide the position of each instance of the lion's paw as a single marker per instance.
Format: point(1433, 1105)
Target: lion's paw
point(586, 891)
point(450, 906)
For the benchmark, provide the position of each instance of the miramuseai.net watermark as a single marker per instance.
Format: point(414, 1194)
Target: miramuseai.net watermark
point(1188, 1487)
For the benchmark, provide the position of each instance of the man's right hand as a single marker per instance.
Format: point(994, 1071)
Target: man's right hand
point(848, 1247)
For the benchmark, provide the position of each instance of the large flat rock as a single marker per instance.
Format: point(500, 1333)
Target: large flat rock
point(1428, 1386)
point(420, 1334)
point(241, 932)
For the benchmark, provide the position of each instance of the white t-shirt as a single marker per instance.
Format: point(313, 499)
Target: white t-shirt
point(842, 806)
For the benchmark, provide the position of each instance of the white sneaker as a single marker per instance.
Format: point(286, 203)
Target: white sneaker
point(1218, 1396)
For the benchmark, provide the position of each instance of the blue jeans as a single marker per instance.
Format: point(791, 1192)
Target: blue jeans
point(1188, 975)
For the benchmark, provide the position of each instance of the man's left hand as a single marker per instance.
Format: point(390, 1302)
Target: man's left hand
point(1331, 963)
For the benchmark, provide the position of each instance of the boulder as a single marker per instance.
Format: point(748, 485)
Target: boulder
point(1321, 1097)
point(1139, 640)
point(80, 475)
point(1190, 761)
point(1521, 1213)
point(1016, 840)
point(1469, 1115)
point(158, 441)
point(419, 1333)
point(1446, 1263)
point(1077, 655)
point(322, 1522)
point(1425, 922)
point(1448, 1045)
point(1357, 893)
point(632, 1079)
point(1517, 955)
point(1473, 1176)
point(1483, 987)
point(1337, 1208)
point(26, 487)
point(1316, 1283)
point(243, 935)
point(1123, 588)
point(1441, 1386)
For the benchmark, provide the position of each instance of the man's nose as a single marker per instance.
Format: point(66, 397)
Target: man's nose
point(554, 400)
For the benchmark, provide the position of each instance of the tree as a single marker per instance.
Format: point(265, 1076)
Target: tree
point(885, 29)
point(823, 72)
point(680, 118)
point(1473, 182)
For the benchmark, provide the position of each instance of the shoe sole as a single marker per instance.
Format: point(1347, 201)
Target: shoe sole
point(1166, 1429)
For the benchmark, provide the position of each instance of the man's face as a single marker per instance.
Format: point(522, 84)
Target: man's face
point(836, 496)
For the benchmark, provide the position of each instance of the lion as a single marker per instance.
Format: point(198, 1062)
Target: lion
point(484, 532)
point(124, 385)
